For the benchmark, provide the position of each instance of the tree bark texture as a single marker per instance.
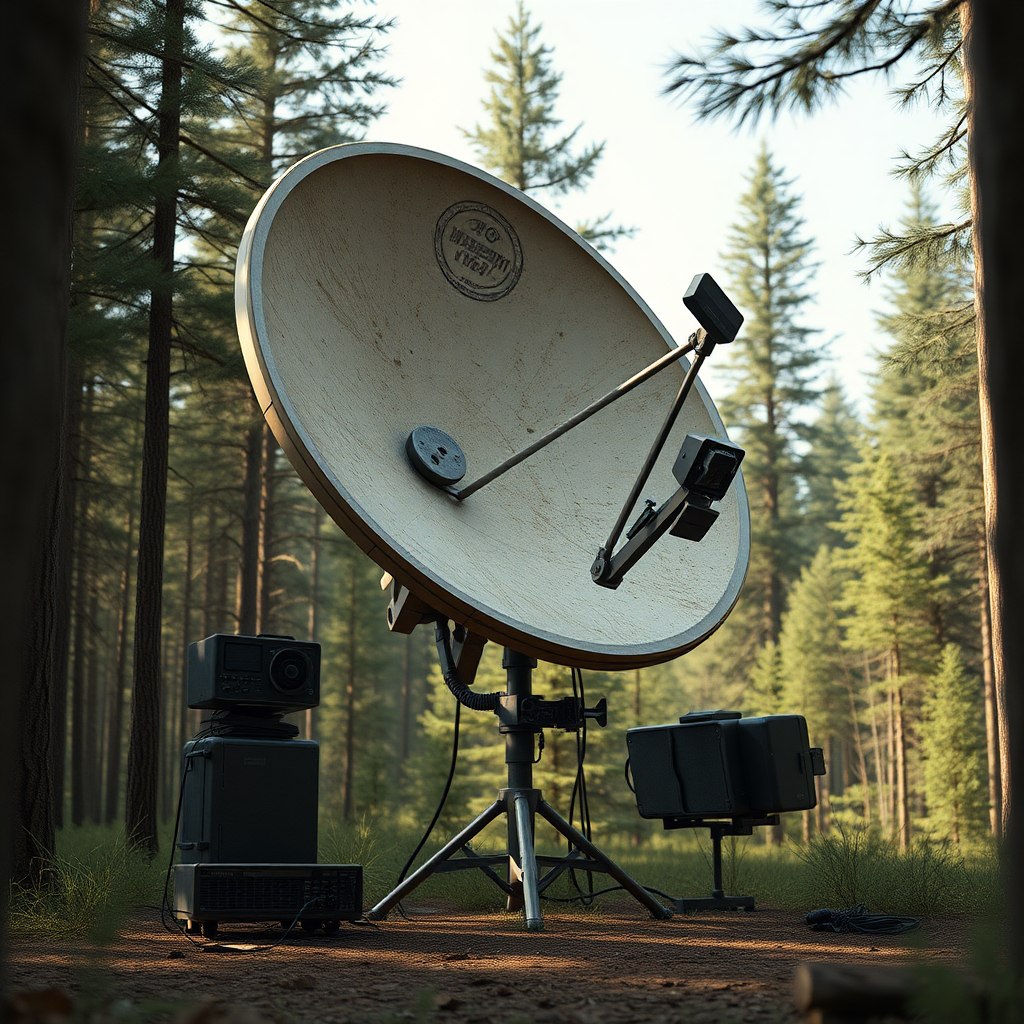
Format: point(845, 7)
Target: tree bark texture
point(902, 794)
point(65, 548)
point(116, 716)
point(144, 731)
point(41, 69)
point(997, 155)
point(83, 476)
point(995, 792)
point(186, 628)
point(91, 717)
point(991, 479)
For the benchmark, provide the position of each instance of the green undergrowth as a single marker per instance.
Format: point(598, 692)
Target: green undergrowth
point(841, 870)
point(95, 879)
point(93, 882)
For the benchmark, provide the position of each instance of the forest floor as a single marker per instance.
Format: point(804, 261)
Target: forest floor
point(613, 965)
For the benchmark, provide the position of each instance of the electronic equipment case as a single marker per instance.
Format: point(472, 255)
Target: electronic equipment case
point(719, 765)
point(249, 800)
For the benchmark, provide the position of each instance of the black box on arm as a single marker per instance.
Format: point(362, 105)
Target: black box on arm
point(716, 764)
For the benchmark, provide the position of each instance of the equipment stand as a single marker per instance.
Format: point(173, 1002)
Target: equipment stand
point(737, 827)
point(520, 803)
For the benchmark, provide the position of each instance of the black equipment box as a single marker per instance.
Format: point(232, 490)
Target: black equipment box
point(260, 892)
point(715, 764)
point(249, 801)
point(226, 671)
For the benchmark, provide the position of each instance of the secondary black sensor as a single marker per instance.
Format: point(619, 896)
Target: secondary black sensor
point(713, 309)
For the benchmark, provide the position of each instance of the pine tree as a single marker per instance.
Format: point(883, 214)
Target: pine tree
point(887, 597)
point(926, 413)
point(517, 142)
point(817, 677)
point(954, 744)
point(833, 439)
point(764, 692)
point(773, 364)
point(801, 61)
point(317, 78)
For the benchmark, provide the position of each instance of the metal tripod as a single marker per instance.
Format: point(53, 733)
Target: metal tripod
point(520, 803)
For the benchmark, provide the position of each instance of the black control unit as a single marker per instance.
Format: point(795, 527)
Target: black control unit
point(273, 672)
point(716, 764)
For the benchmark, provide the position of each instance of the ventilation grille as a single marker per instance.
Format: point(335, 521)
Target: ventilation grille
point(337, 893)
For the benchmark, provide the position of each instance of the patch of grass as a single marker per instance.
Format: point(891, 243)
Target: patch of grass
point(94, 881)
point(853, 866)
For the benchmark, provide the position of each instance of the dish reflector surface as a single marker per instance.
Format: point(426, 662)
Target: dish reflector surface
point(381, 288)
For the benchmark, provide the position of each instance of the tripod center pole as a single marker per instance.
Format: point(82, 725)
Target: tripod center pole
point(519, 738)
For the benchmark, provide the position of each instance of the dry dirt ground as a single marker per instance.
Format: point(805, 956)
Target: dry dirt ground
point(611, 966)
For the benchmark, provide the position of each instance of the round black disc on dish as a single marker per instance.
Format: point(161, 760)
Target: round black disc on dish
point(435, 456)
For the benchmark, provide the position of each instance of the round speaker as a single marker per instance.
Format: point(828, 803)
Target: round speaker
point(290, 671)
point(382, 289)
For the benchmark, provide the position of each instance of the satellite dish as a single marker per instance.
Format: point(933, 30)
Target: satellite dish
point(383, 288)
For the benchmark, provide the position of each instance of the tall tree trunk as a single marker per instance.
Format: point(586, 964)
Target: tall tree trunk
point(859, 747)
point(986, 383)
point(169, 732)
point(313, 623)
point(83, 539)
point(265, 612)
point(890, 767)
point(209, 624)
point(92, 714)
point(225, 623)
point(883, 819)
point(186, 626)
point(144, 734)
point(997, 154)
point(41, 71)
point(995, 795)
point(64, 552)
point(902, 795)
point(349, 757)
point(116, 720)
point(249, 556)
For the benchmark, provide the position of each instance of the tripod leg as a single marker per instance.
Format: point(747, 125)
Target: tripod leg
point(477, 825)
point(581, 842)
point(528, 863)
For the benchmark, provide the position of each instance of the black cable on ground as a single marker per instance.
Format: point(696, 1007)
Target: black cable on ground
point(165, 907)
point(857, 919)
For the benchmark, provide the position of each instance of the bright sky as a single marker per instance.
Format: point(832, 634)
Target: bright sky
point(677, 181)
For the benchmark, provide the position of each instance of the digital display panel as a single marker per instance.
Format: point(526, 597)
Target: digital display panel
point(243, 657)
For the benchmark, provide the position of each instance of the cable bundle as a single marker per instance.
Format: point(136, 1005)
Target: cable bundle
point(857, 919)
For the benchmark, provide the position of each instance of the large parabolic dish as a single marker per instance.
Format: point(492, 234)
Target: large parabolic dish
point(381, 288)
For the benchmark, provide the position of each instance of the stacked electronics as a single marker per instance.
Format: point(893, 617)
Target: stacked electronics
point(248, 836)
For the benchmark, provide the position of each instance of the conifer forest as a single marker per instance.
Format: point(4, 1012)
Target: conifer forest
point(866, 607)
